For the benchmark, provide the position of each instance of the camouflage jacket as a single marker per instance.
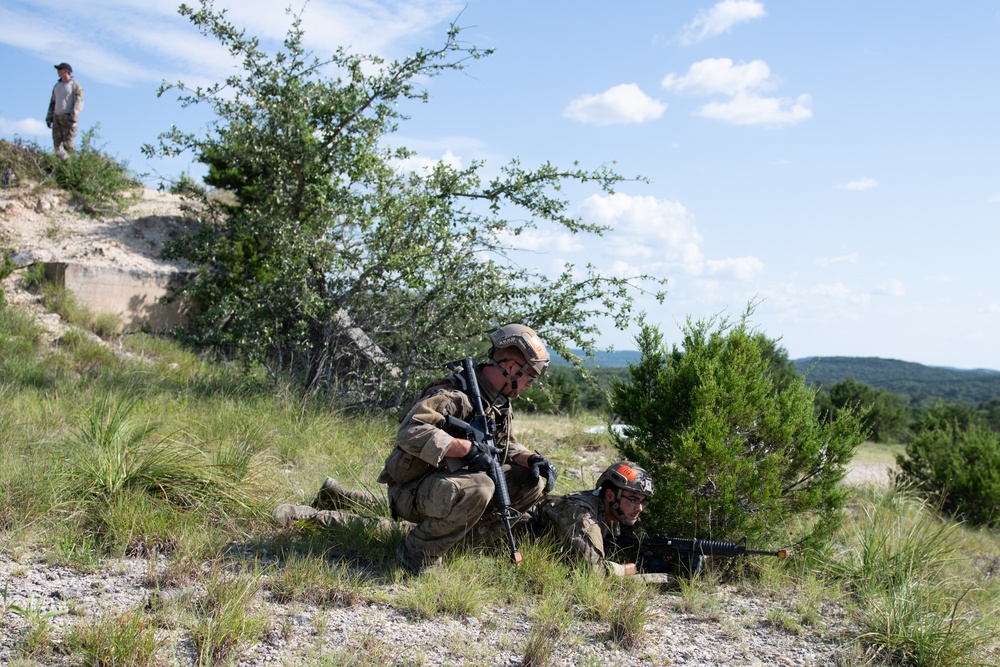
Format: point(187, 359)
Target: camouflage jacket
point(578, 521)
point(422, 440)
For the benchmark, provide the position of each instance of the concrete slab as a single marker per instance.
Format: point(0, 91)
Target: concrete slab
point(134, 295)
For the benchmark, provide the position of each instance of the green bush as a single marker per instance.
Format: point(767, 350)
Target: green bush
point(954, 461)
point(883, 413)
point(6, 268)
point(28, 162)
point(102, 182)
point(558, 393)
point(732, 453)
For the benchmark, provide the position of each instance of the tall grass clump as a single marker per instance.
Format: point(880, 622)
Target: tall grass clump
point(438, 591)
point(918, 603)
point(314, 581)
point(127, 479)
point(20, 339)
point(116, 640)
point(6, 268)
point(226, 620)
point(549, 620)
point(64, 303)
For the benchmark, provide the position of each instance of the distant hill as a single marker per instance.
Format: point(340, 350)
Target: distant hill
point(617, 359)
point(904, 377)
point(918, 382)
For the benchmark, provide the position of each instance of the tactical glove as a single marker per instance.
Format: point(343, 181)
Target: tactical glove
point(48, 124)
point(480, 458)
point(542, 468)
point(686, 564)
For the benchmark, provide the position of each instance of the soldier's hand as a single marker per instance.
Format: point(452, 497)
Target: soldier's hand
point(48, 124)
point(542, 468)
point(480, 458)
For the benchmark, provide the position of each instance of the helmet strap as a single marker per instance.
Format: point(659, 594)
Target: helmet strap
point(511, 379)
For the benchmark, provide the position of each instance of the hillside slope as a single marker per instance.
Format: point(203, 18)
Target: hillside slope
point(904, 377)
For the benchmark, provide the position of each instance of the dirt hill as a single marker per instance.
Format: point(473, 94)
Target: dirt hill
point(48, 226)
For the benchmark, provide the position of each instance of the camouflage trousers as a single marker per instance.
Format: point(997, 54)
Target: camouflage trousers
point(451, 506)
point(63, 134)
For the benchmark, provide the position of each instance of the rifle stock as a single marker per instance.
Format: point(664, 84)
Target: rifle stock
point(482, 430)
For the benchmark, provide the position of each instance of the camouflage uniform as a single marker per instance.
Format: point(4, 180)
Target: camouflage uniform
point(64, 111)
point(578, 521)
point(446, 500)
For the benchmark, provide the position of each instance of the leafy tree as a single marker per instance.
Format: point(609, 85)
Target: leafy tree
point(558, 393)
point(954, 460)
point(990, 411)
point(883, 413)
point(329, 237)
point(732, 453)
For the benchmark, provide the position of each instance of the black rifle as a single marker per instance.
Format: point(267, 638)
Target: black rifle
point(658, 553)
point(481, 430)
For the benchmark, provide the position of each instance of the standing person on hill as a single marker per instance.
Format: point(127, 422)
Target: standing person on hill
point(65, 106)
point(434, 479)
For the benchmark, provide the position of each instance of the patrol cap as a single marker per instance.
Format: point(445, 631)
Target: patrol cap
point(65, 66)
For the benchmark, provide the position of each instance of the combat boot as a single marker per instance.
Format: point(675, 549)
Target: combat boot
point(412, 562)
point(333, 496)
point(288, 514)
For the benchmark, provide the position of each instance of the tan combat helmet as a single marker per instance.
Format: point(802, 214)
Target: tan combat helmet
point(527, 341)
point(627, 477)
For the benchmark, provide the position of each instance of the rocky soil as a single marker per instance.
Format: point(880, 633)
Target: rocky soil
point(733, 628)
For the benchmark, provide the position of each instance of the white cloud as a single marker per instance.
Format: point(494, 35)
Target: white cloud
point(657, 236)
point(850, 258)
point(748, 109)
point(859, 184)
point(834, 293)
point(740, 268)
point(892, 287)
point(720, 75)
point(721, 18)
point(547, 241)
point(107, 39)
point(421, 163)
point(24, 127)
point(742, 83)
point(621, 104)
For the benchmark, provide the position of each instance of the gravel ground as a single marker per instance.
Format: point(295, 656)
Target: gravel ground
point(734, 631)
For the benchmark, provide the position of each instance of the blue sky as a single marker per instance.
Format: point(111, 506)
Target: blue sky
point(836, 162)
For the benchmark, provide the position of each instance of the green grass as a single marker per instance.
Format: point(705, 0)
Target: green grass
point(177, 459)
point(116, 640)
